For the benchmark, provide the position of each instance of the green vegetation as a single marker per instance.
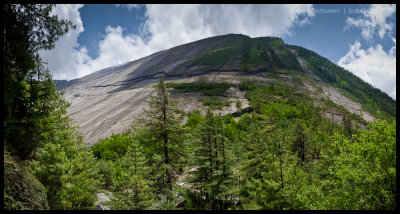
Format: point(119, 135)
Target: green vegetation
point(253, 53)
point(207, 89)
point(112, 147)
point(22, 190)
point(363, 173)
point(32, 107)
point(36, 129)
point(238, 105)
point(282, 155)
point(164, 140)
point(372, 99)
point(214, 102)
point(132, 189)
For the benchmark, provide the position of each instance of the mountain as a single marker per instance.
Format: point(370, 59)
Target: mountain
point(107, 101)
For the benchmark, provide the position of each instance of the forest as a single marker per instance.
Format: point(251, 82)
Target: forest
point(283, 155)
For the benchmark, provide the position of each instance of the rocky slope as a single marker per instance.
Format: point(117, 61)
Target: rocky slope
point(107, 101)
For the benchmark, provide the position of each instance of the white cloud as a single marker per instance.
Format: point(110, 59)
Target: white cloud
point(172, 25)
point(128, 6)
point(63, 55)
point(373, 65)
point(168, 26)
point(374, 20)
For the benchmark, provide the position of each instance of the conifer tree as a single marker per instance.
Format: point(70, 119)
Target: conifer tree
point(299, 145)
point(202, 177)
point(164, 139)
point(135, 191)
point(224, 176)
point(30, 98)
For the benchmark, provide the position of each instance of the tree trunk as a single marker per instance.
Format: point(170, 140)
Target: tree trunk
point(165, 136)
point(281, 169)
point(223, 149)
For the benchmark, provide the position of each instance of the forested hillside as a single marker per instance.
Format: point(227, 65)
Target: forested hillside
point(372, 99)
point(280, 152)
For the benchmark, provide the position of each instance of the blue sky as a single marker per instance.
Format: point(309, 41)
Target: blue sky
point(360, 38)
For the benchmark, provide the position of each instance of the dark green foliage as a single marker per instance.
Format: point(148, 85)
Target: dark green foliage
point(133, 187)
point(202, 177)
point(35, 125)
point(212, 177)
point(282, 155)
point(112, 147)
point(246, 85)
point(29, 94)
point(207, 89)
point(163, 140)
point(22, 190)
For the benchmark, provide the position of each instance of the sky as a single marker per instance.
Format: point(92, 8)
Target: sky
point(360, 38)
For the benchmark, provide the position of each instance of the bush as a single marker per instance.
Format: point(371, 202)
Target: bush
point(112, 147)
point(246, 85)
point(194, 119)
point(238, 105)
point(215, 103)
point(68, 170)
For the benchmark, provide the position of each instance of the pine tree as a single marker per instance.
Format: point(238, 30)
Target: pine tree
point(29, 96)
point(66, 167)
point(299, 145)
point(346, 123)
point(202, 177)
point(164, 139)
point(224, 175)
point(135, 191)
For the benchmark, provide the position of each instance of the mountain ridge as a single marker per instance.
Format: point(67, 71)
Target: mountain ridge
point(106, 101)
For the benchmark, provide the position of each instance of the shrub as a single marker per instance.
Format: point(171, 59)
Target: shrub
point(215, 103)
point(112, 147)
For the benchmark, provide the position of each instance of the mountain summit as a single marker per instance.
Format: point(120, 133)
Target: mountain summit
point(106, 101)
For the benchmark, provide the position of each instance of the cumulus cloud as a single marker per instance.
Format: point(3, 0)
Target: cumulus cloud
point(374, 19)
point(172, 25)
point(167, 26)
point(373, 65)
point(60, 58)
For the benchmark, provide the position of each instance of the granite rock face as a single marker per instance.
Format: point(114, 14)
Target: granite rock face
point(107, 101)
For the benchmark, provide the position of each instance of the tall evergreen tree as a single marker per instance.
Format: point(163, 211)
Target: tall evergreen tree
point(164, 139)
point(299, 145)
point(30, 99)
point(202, 177)
point(224, 175)
point(135, 191)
